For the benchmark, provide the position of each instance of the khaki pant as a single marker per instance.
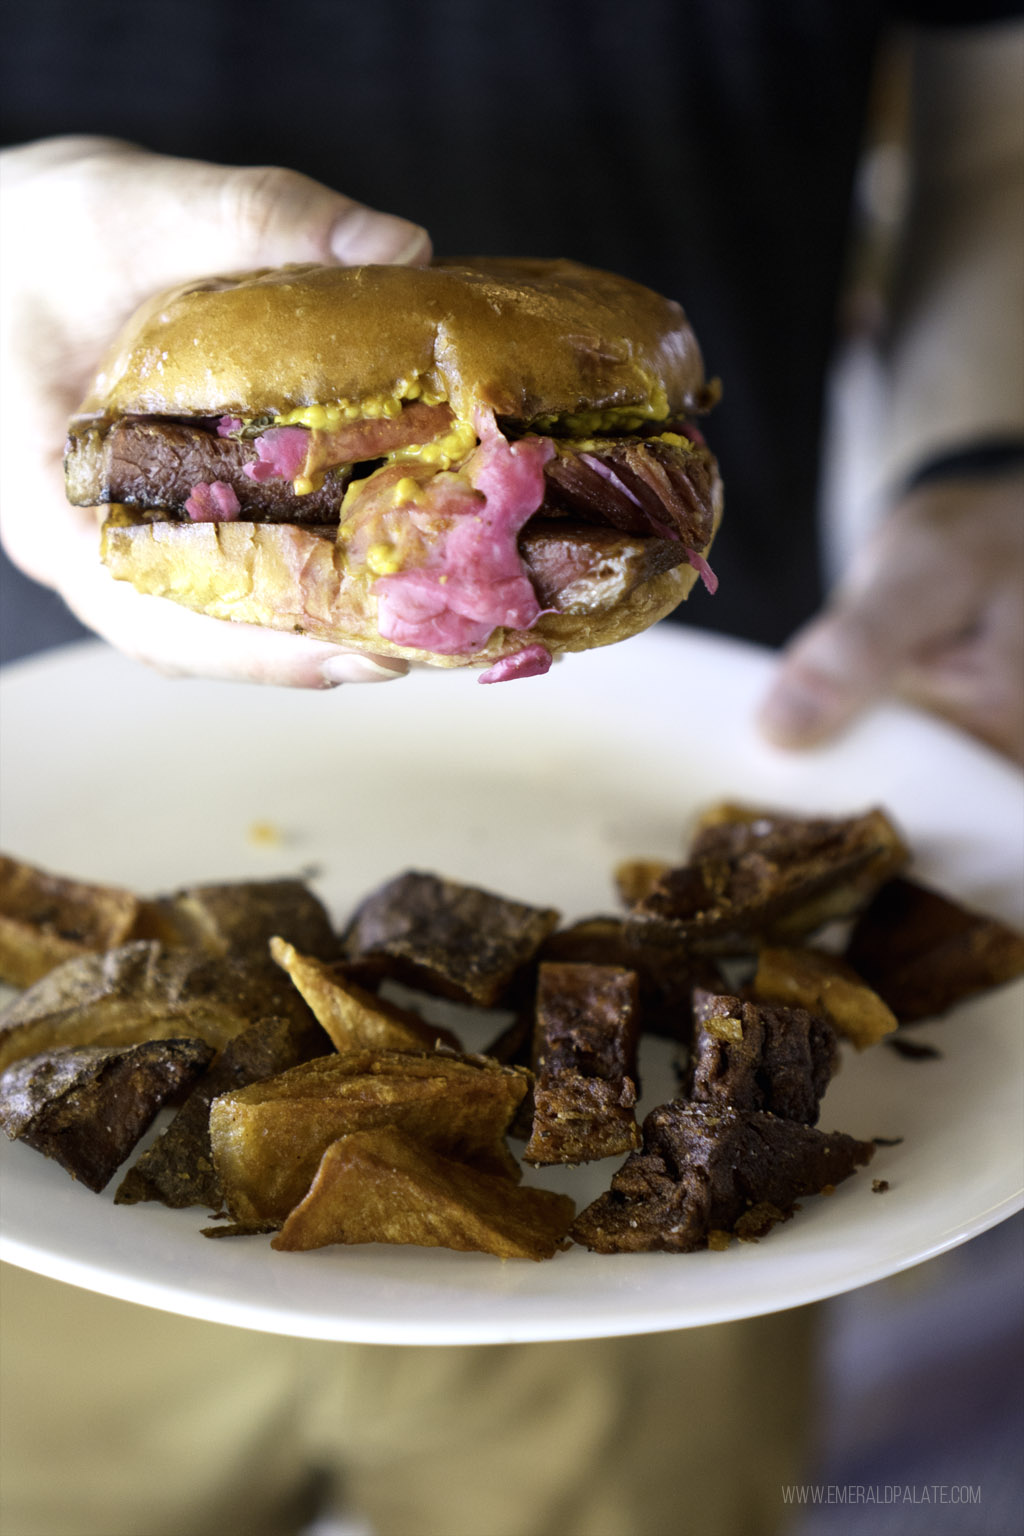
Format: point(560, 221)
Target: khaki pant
point(122, 1421)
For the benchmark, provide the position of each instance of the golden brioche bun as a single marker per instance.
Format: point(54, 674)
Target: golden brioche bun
point(528, 338)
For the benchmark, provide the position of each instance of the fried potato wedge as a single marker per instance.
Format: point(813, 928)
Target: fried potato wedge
point(635, 877)
point(382, 1186)
point(770, 879)
point(666, 969)
point(925, 952)
point(585, 1059)
point(144, 991)
point(761, 1056)
point(46, 919)
point(805, 871)
point(88, 1107)
point(178, 1168)
point(268, 1139)
point(706, 1170)
point(446, 938)
point(240, 918)
point(353, 1017)
point(825, 985)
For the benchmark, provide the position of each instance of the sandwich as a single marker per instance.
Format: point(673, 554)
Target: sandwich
point(476, 463)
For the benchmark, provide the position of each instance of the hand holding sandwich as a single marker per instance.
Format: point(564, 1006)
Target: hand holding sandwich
point(473, 463)
point(92, 228)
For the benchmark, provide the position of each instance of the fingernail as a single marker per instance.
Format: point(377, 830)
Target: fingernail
point(363, 235)
point(361, 669)
point(793, 714)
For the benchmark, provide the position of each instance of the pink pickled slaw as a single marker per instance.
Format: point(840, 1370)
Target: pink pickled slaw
point(531, 661)
point(213, 503)
point(474, 581)
point(281, 454)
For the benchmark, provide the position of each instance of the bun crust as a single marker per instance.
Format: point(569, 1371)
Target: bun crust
point(528, 338)
point(290, 580)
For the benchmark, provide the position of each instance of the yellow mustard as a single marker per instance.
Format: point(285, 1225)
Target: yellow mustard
point(382, 559)
point(455, 445)
point(352, 490)
point(615, 418)
point(324, 418)
point(406, 490)
point(442, 452)
point(673, 439)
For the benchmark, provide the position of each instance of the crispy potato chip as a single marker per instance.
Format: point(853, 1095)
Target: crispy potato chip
point(383, 1186)
point(46, 919)
point(88, 1107)
point(142, 991)
point(268, 1139)
point(826, 985)
point(353, 1017)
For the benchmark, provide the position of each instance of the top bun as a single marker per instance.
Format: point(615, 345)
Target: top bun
point(528, 338)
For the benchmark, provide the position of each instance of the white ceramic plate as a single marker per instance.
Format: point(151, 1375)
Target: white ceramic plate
point(533, 789)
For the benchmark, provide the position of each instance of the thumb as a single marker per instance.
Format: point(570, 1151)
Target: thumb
point(191, 216)
point(266, 215)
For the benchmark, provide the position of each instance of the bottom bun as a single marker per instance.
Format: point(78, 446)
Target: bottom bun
point(288, 577)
